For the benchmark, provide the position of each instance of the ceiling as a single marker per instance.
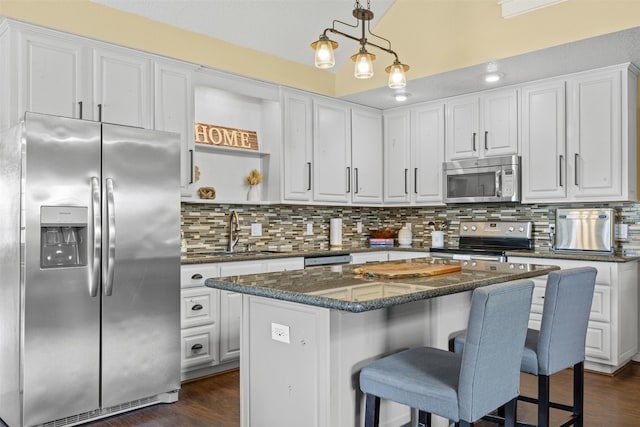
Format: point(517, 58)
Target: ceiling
point(285, 28)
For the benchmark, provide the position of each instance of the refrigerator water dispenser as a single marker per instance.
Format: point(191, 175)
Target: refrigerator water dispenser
point(63, 236)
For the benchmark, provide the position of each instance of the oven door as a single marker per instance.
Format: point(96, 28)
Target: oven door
point(471, 185)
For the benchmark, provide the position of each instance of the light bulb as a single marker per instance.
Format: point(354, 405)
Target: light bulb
point(324, 54)
point(397, 79)
point(364, 65)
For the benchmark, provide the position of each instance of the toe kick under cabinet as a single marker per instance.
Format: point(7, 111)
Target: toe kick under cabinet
point(612, 334)
point(210, 318)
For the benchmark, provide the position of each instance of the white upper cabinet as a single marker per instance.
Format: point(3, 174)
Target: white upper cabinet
point(53, 72)
point(173, 112)
point(331, 151)
point(298, 146)
point(397, 156)
point(482, 125)
point(543, 142)
point(598, 160)
point(413, 155)
point(122, 87)
point(427, 152)
point(602, 135)
point(71, 76)
point(366, 155)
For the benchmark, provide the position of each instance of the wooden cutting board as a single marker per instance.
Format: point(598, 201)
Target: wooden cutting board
point(400, 270)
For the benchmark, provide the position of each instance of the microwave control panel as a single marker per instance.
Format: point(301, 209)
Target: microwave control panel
point(507, 183)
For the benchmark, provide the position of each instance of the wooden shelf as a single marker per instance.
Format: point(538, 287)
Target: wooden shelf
point(229, 151)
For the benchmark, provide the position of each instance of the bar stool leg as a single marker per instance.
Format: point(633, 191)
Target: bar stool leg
point(372, 411)
point(578, 393)
point(424, 418)
point(543, 401)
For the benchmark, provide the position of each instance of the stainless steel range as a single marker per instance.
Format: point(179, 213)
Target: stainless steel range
point(488, 240)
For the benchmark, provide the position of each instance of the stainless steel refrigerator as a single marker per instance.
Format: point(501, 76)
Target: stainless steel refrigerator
point(89, 270)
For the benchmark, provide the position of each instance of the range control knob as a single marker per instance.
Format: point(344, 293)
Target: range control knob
point(521, 229)
point(474, 228)
point(511, 229)
point(465, 228)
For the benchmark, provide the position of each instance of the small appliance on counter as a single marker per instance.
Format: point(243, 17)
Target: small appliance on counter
point(585, 231)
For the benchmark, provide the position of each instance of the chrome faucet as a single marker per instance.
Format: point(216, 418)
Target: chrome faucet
point(234, 230)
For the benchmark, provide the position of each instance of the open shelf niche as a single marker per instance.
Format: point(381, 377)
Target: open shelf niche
point(225, 168)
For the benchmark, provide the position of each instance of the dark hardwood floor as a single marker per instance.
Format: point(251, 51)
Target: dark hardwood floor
point(214, 402)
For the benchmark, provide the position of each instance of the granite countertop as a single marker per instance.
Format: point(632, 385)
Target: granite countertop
point(340, 288)
point(218, 257)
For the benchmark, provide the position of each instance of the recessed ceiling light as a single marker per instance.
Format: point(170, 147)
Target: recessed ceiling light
point(493, 77)
point(401, 96)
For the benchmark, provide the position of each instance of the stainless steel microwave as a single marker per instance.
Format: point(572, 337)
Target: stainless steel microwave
point(494, 179)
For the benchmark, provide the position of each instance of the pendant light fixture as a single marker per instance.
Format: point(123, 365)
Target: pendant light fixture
point(325, 58)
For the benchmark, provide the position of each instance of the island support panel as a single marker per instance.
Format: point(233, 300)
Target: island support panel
point(313, 379)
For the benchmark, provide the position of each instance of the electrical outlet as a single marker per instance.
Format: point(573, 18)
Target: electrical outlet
point(622, 231)
point(256, 230)
point(359, 226)
point(309, 229)
point(280, 333)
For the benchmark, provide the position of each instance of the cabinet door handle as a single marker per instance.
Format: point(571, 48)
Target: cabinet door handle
point(473, 140)
point(355, 172)
point(308, 176)
point(575, 166)
point(406, 172)
point(99, 112)
point(196, 276)
point(348, 179)
point(80, 110)
point(191, 167)
point(196, 347)
point(486, 134)
point(197, 307)
point(415, 180)
point(560, 170)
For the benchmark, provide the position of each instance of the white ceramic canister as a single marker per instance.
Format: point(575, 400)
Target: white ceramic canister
point(404, 237)
point(437, 239)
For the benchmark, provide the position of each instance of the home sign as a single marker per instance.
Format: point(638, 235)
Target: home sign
point(226, 137)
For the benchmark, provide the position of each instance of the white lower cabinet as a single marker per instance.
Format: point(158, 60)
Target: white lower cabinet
point(612, 333)
point(398, 255)
point(364, 257)
point(210, 318)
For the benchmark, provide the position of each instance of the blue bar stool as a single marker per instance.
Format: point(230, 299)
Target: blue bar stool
point(461, 387)
point(560, 343)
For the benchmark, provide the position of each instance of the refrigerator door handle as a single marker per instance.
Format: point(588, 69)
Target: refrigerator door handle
point(111, 240)
point(94, 269)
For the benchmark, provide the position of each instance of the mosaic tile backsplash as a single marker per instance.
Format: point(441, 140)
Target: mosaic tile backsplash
point(284, 227)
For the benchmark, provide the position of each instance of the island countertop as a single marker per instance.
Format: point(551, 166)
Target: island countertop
point(341, 288)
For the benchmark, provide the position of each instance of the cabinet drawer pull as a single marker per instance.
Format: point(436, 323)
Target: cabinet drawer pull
point(308, 176)
point(196, 347)
point(486, 134)
point(355, 171)
point(197, 276)
point(348, 179)
point(415, 180)
point(473, 140)
point(406, 184)
point(80, 110)
point(575, 168)
point(99, 112)
point(197, 307)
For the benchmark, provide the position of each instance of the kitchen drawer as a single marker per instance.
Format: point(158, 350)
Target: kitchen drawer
point(199, 306)
point(600, 307)
point(195, 275)
point(285, 264)
point(604, 269)
point(364, 257)
point(199, 346)
point(598, 344)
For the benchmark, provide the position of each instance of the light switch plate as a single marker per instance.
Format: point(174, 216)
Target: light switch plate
point(256, 230)
point(622, 231)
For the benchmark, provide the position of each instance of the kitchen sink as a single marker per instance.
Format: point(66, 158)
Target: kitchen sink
point(243, 253)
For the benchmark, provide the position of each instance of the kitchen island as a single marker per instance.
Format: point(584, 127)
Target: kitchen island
point(306, 334)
